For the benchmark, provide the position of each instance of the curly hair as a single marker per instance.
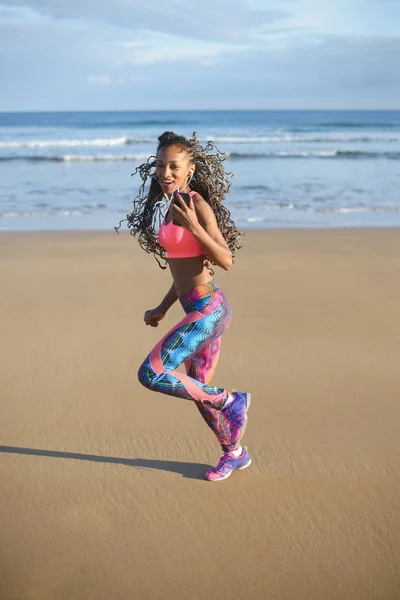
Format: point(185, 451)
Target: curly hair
point(210, 180)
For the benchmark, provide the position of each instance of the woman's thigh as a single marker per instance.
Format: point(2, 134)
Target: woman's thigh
point(190, 336)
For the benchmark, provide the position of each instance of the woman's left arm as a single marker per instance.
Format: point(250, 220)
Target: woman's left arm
point(200, 220)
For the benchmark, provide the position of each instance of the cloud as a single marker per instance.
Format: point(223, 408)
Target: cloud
point(225, 20)
point(149, 48)
point(117, 54)
point(335, 72)
point(99, 79)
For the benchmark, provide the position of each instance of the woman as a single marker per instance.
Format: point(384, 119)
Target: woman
point(190, 237)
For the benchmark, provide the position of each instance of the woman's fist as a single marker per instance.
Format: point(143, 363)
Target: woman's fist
point(151, 317)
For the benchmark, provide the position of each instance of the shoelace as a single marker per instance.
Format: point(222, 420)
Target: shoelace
point(224, 458)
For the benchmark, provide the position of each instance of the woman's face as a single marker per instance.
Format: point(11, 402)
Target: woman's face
point(173, 168)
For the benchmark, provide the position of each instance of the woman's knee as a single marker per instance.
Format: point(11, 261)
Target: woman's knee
point(146, 375)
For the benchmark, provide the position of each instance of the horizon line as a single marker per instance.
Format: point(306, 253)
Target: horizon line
point(165, 110)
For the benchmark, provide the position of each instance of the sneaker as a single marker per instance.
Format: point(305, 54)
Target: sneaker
point(228, 463)
point(235, 414)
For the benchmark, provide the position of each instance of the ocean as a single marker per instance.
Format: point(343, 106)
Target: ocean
point(292, 169)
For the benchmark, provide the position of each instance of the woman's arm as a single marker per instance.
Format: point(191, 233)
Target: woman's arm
point(154, 315)
point(199, 218)
point(169, 299)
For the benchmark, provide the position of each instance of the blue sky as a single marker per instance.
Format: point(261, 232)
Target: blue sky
point(179, 54)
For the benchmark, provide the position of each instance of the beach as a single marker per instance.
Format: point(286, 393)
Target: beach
point(102, 493)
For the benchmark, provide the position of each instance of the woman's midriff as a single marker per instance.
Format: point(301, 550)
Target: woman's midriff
point(188, 273)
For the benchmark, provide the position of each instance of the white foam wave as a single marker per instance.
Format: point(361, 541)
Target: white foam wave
point(279, 207)
point(284, 137)
point(233, 139)
point(359, 209)
point(43, 213)
point(72, 212)
point(340, 154)
point(101, 157)
point(65, 143)
point(284, 153)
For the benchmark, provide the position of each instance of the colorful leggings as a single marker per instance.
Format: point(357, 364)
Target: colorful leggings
point(195, 341)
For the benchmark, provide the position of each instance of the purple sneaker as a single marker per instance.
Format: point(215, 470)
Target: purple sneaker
point(235, 414)
point(228, 463)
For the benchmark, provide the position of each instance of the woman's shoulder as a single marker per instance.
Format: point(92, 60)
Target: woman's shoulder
point(198, 199)
point(195, 195)
point(199, 202)
point(203, 209)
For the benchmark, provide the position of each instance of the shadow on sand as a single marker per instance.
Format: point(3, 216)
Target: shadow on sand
point(188, 470)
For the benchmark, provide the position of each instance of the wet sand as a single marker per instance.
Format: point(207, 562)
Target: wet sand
point(101, 489)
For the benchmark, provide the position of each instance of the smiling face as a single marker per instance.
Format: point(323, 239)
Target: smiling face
point(173, 168)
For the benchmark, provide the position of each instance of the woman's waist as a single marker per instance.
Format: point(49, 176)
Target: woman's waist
point(199, 291)
point(202, 285)
point(189, 273)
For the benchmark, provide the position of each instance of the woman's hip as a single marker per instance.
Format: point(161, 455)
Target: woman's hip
point(206, 299)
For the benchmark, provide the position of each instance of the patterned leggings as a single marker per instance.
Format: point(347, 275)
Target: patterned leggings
point(194, 341)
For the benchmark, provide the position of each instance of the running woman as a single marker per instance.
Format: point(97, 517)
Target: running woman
point(190, 237)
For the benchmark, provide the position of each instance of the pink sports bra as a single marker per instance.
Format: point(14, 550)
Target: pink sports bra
point(178, 241)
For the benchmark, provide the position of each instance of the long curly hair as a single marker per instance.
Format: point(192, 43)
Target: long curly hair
point(209, 179)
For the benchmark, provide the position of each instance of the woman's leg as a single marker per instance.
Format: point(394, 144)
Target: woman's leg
point(199, 328)
point(201, 366)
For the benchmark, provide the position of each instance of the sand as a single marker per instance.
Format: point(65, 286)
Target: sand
point(102, 495)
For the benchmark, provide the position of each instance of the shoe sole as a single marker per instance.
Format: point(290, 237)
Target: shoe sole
point(229, 474)
point(249, 402)
point(244, 466)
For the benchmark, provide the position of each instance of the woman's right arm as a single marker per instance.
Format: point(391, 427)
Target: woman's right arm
point(153, 316)
point(169, 299)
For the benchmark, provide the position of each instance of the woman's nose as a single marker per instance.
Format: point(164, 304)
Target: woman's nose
point(163, 172)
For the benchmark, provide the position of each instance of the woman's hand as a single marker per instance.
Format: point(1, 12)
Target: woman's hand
point(185, 215)
point(153, 316)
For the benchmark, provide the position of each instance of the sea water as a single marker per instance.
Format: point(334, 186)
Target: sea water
point(291, 169)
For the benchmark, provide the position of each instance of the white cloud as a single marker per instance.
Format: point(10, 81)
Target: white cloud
point(151, 48)
point(16, 13)
point(99, 79)
point(225, 20)
point(57, 54)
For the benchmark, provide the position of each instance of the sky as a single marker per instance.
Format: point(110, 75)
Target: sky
point(213, 54)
